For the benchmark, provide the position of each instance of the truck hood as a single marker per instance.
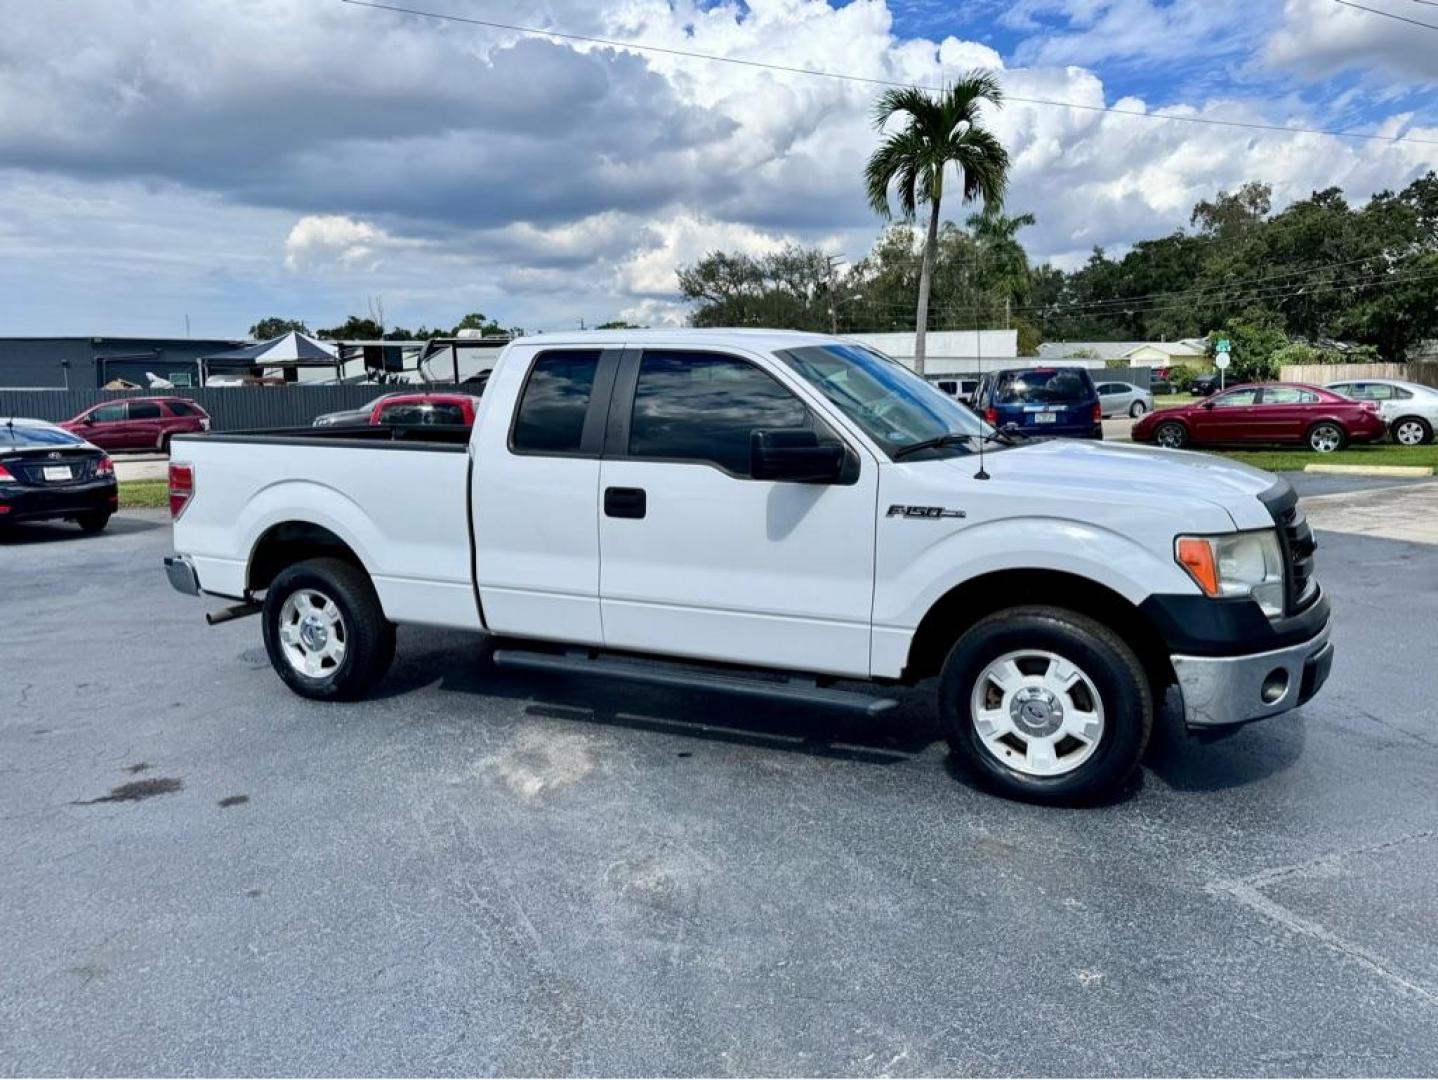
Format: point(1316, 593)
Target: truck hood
point(1124, 471)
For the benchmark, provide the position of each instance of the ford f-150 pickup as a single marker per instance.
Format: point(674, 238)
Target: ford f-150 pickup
point(767, 513)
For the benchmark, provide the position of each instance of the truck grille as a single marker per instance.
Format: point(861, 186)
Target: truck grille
point(1298, 543)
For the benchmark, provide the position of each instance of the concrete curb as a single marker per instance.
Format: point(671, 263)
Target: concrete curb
point(1371, 470)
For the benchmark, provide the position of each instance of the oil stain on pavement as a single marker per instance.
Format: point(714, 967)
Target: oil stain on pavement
point(137, 790)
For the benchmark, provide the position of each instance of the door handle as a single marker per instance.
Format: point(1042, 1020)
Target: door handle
point(622, 502)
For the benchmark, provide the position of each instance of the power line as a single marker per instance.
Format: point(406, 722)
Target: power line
point(668, 51)
point(1387, 14)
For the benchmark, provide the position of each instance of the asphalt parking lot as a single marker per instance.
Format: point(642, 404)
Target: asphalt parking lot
point(478, 872)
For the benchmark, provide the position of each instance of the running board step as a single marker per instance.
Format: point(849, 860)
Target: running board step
point(795, 693)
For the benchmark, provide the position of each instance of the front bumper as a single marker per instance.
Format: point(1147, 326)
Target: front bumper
point(1221, 691)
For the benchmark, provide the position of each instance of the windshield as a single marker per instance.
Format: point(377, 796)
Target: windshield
point(894, 407)
point(1065, 386)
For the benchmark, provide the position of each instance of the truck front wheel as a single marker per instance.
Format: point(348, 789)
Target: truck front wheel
point(325, 631)
point(1046, 705)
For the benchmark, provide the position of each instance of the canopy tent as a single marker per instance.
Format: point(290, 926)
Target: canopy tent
point(294, 349)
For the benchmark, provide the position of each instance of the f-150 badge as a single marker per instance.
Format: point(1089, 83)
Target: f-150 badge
point(925, 512)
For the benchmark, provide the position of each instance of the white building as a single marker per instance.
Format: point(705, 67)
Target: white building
point(950, 352)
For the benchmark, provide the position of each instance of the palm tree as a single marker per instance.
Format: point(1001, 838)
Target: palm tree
point(938, 130)
point(1008, 263)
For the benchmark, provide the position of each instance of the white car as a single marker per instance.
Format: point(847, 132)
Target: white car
point(681, 507)
point(1410, 409)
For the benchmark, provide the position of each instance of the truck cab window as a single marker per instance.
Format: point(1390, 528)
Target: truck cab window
point(695, 406)
point(550, 417)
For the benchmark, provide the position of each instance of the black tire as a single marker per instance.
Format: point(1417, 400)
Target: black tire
point(1137, 409)
point(1415, 424)
point(1105, 660)
point(1327, 434)
point(368, 637)
point(1178, 433)
point(93, 523)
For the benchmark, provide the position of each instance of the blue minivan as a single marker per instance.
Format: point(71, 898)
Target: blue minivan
point(1059, 402)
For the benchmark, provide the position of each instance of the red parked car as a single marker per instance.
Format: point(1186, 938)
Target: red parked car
point(425, 409)
point(138, 423)
point(1266, 413)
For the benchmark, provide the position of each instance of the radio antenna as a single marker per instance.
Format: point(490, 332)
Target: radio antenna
point(979, 348)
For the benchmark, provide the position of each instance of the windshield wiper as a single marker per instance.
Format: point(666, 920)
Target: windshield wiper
point(946, 439)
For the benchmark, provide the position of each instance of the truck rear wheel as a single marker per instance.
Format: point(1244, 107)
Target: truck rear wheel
point(1046, 705)
point(325, 631)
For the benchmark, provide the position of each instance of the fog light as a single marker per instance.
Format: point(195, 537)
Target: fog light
point(1275, 685)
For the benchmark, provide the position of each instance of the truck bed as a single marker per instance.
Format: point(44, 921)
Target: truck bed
point(405, 514)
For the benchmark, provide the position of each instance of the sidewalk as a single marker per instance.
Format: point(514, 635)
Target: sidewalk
point(1408, 513)
point(141, 467)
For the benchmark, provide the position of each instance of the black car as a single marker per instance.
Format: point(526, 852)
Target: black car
point(1204, 385)
point(48, 473)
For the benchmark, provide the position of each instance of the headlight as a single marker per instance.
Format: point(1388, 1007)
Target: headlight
point(1241, 564)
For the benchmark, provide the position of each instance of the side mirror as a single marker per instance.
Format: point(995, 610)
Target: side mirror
point(794, 454)
point(87, 419)
point(1208, 403)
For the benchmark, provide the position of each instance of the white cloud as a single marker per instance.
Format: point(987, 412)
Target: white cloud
point(319, 241)
point(540, 181)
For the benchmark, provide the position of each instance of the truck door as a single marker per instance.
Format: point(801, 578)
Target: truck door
point(535, 493)
point(698, 558)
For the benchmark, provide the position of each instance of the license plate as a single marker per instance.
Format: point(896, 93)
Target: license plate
point(57, 472)
point(1045, 418)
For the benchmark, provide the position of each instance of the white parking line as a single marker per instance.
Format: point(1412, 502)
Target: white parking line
point(1248, 892)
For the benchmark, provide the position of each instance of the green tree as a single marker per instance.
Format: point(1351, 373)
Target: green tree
point(787, 289)
point(1004, 262)
point(274, 326)
point(618, 324)
point(477, 320)
point(355, 328)
point(938, 131)
point(1254, 340)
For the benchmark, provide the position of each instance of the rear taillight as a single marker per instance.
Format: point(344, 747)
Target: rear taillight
point(105, 468)
point(182, 488)
point(5, 477)
point(991, 415)
point(1097, 413)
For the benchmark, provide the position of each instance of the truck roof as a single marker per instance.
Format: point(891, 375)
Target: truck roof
point(680, 336)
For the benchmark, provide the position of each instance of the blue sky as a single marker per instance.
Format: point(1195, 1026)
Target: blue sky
point(164, 160)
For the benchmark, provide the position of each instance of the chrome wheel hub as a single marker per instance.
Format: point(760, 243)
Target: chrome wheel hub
point(312, 633)
point(1324, 440)
point(1037, 712)
point(1409, 433)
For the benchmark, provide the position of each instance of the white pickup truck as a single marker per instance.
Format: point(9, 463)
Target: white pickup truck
point(763, 513)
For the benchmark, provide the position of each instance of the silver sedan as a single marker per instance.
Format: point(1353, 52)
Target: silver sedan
point(1124, 399)
point(1410, 409)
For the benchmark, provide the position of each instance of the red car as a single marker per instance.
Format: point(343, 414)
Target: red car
point(425, 409)
point(138, 423)
point(1266, 413)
